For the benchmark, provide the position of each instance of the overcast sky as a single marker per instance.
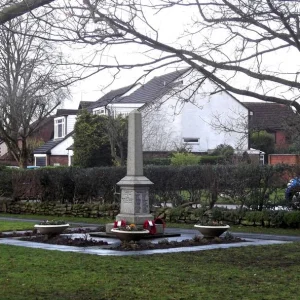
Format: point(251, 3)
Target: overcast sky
point(169, 26)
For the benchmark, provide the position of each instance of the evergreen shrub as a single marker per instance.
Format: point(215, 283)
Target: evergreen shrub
point(164, 161)
point(211, 159)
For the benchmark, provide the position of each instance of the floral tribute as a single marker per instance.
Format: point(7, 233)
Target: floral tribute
point(150, 225)
point(160, 221)
point(121, 225)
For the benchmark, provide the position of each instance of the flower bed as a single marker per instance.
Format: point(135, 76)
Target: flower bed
point(166, 244)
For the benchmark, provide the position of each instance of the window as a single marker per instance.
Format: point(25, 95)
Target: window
point(59, 128)
point(40, 161)
point(261, 159)
point(191, 140)
point(100, 111)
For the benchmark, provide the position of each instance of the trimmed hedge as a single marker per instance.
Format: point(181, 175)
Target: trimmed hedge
point(250, 184)
point(212, 159)
point(158, 161)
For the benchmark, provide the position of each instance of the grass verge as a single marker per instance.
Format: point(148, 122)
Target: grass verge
point(15, 226)
point(247, 229)
point(68, 219)
point(261, 272)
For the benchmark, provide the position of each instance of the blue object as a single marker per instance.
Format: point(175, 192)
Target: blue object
point(293, 187)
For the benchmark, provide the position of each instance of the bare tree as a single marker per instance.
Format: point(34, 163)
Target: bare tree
point(234, 43)
point(31, 86)
point(117, 132)
point(237, 123)
point(158, 132)
point(12, 9)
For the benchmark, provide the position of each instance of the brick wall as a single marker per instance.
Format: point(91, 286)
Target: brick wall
point(280, 140)
point(58, 159)
point(289, 159)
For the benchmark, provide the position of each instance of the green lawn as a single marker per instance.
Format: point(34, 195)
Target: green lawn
point(15, 225)
point(261, 272)
point(69, 219)
point(248, 229)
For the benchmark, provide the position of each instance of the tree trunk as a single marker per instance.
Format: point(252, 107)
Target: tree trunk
point(24, 154)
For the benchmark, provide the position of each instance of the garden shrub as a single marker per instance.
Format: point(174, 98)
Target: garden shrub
point(211, 159)
point(255, 217)
point(6, 188)
point(185, 159)
point(277, 218)
point(158, 161)
point(292, 219)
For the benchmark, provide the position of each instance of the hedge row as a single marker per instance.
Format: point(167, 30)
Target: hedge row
point(175, 184)
point(265, 218)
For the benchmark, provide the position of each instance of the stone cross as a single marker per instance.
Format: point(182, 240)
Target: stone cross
point(134, 186)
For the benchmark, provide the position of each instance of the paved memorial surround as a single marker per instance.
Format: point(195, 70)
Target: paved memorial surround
point(252, 240)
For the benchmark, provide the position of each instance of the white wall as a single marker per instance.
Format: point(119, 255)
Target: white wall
point(161, 126)
point(61, 148)
point(3, 149)
point(71, 120)
point(170, 120)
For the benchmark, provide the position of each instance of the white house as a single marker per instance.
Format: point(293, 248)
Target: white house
point(176, 113)
point(191, 117)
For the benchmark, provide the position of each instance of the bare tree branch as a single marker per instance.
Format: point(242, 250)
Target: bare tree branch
point(21, 8)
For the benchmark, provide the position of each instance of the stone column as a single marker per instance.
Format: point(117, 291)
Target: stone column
point(134, 186)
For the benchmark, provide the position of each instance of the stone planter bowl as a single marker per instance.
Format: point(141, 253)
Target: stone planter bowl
point(128, 236)
point(212, 231)
point(51, 229)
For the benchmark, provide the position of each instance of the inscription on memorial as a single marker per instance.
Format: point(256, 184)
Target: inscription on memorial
point(138, 202)
point(127, 196)
point(142, 202)
point(145, 207)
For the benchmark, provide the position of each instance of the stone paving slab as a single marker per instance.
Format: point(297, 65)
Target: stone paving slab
point(107, 252)
point(102, 250)
point(253, 239)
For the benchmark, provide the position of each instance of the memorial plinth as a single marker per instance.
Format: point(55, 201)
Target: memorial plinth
point(134, 186)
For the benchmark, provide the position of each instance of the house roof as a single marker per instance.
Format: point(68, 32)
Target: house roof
point(66, 112)
point(84, 104)
point(271, 116)
point(48, 146)
point(111, 97)
point(156, 87)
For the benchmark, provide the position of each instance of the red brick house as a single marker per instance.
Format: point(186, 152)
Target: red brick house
point(277, 119)
point(42, 134)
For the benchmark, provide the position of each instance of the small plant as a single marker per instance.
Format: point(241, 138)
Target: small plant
point(163, 242)
point(229, 236)
point(53, 222)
